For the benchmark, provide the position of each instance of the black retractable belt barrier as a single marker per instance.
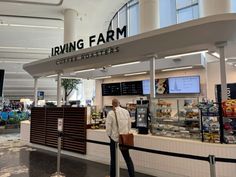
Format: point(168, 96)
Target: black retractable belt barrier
point(211, 158)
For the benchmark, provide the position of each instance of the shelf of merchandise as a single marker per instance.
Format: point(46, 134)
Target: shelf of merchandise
point(211, 122)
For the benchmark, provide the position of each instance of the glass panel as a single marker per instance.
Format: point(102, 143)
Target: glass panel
point(123, 17)
point(183, 3)
point(115, 23)
point(233, 6)
point(185, 15)
point(133, 20)
point(167, 10)
point(195, 11)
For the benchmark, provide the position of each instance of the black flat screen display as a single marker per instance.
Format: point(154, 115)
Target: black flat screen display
point(1, 81)
point(111, 89)
point(132, 88)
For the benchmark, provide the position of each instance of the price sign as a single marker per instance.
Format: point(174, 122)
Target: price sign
point(60, 125)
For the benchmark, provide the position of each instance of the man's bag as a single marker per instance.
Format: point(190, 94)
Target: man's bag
point(126, 139)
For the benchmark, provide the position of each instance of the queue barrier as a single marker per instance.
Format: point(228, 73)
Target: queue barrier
point(211, 159)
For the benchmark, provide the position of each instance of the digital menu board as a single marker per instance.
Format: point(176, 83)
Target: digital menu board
point(111, 89)
point(185, 84)
point(146, 87)
point(1, 81)
point(132, 88)
point(162, 86)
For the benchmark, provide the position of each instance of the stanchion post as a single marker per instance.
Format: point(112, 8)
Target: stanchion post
point(212, 162)
point(117, 160)
point(60, 131)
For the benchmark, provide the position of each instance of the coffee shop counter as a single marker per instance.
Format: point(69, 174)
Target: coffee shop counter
point(154, 164)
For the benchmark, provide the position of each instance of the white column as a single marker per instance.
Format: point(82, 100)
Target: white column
point(213, 7)
point(149, 19)
point(59, 90)
point(152, 78)
point(223, 79)
point(70, 25)
point(35, 91)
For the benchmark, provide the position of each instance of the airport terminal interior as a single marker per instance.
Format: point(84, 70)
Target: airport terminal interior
point(170, 64)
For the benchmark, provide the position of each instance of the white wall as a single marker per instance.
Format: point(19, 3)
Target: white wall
point(213, 73)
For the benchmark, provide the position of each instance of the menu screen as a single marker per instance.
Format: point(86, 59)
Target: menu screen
point(132, 88)
point(111, 89)
point(162, 86)
point(146, 87)
point(187, 84)
point(1, 81)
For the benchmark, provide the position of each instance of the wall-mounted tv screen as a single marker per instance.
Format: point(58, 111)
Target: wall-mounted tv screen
point(185, 84)
point(162, 86)
point(146, 87)
point(1, 81)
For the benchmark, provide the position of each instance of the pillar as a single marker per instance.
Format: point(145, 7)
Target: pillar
point(213, 7)
point(149, 19)
point(223, 79)
point(59, 90)
point(70, 25)
point(152, 78)
point(35, 91)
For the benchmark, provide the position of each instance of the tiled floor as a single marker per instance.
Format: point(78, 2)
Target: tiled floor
point(19, 160)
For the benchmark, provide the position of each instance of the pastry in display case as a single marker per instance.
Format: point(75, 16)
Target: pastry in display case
point(175, 117)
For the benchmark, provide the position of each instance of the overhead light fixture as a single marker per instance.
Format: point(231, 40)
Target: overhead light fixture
point(103, 77)
point(16, 61)
point(217, 55)
point(186, 54)
point(179, 68)
point(67, 77)
point(133, 74)
point(53, 75)
point(34, 26)
point(3, 24)
point(24, 48)
point(85, 70)
point(125, 64)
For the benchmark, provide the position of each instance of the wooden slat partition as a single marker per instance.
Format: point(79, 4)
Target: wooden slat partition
point(44, 127)
point(75, 127)
point(38, 124)
point(52, 114)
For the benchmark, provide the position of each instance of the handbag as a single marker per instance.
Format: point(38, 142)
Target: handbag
point(124, 139)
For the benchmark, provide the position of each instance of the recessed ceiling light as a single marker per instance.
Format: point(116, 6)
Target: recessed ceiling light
point(133, 74)
point(34, 26)
point(103, 77)
point(125, 64)
point(186, 54)
point(179, 68)
point(85, 70)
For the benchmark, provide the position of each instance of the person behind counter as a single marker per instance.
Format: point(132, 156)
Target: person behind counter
point(124, 122)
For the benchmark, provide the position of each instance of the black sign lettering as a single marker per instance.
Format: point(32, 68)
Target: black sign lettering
point(110, 35)
point(120, 32)
point(101, 39)
point(91, 40)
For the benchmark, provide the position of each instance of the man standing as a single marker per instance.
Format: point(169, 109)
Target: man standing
point(124, 124)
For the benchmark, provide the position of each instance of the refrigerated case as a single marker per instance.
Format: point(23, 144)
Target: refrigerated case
point(175, 117)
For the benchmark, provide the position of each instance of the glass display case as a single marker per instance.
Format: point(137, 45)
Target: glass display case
point(175, 117)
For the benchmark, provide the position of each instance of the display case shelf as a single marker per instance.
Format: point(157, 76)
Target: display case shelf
point(175, 117)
